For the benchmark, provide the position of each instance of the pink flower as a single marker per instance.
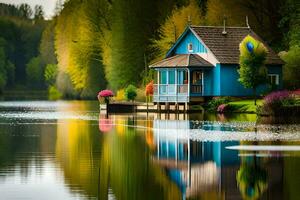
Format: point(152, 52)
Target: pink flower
point(105, 93)
point(222, 108)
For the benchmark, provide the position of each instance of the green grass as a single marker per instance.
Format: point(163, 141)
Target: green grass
point(244, 106)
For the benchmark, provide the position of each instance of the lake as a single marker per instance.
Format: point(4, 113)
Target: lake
point(68, 150)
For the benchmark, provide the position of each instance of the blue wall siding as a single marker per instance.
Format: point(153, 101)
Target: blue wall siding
point(230, 86)
point(208, 82)
point(182, 47)
point(216, 74)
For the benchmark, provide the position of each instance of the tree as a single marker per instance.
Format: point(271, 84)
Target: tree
point(47, 49)
point(80, 29)
point(51, 74)
point(3, 75)
point(35, 72)
point(252, 69)
point(130, 93)
point(175, 25)
point(39, 12)
point(25, 10)
point(134, 24)
point(291, 69)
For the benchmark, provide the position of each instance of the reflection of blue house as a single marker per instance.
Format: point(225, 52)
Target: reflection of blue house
point(194, 166)
point(204, 62)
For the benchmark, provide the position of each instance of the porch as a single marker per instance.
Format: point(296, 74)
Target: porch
point(178, 85)
point(180, 78)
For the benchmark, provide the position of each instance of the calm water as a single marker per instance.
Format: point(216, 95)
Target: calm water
point(67, 150)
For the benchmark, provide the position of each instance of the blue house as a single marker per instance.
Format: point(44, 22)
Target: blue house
point(204, 62)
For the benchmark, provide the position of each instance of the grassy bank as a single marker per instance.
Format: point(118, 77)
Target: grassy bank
point(244, 106)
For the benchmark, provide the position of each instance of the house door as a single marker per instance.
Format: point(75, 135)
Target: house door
point(197, 82)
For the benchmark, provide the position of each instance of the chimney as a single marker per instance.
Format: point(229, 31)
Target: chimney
point(224, 27)
point(247, 22)
point(189, 20)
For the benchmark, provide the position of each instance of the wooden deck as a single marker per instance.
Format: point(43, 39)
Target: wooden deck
point(127, 107)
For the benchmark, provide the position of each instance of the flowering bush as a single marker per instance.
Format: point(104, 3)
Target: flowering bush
point(279, 98)
point(223, 108)
point(274, 102)
point(276, 97)
point(213, 105)
point(120, 96)
point(106, 94)
point(149, 89)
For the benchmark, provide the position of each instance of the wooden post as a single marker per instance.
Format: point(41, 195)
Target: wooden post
point(167, 107)
point(147, 100)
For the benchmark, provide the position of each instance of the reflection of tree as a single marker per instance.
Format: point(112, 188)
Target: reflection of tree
point(77, 152)
point(251, 179)
point(93, 162)
point(127, 169)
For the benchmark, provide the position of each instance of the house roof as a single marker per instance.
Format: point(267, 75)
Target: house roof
point(182, 60)
point(226, 47)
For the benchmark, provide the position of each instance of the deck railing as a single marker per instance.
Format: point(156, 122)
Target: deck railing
point(170, 92)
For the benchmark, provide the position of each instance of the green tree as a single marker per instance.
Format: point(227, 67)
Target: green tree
point(291, 69)
point(35, 72)
point(3, 76)
point(252, 69)
point(51, 74)
point(80, 32)
point(130, 93)
point(47, 49)
point(134, 24)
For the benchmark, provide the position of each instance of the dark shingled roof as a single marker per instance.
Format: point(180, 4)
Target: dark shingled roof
point(183, 60)
point(226, 47)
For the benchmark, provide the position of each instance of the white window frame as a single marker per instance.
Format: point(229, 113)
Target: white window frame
point(276, 78)
point(190, 49)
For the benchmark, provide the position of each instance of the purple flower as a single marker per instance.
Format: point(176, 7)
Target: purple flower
point(277, 97)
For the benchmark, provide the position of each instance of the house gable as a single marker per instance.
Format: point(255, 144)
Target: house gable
point(198, 47)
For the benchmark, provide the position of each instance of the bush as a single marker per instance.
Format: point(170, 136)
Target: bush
point(213, 105)
point(223, 108)
point(53, 93)
point(130, 93)
point(141, 97)
point(275, 101)
point(120, 96)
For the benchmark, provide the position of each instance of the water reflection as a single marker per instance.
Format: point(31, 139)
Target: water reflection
point(84, 155)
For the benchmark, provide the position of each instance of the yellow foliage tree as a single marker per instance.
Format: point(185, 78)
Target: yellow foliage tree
point(175, 25)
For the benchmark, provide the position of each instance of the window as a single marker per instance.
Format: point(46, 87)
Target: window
point(171, 77)
point(197, 77)
point(190, 47)
point(182, 77)
point(163, 77)
point(273, 79)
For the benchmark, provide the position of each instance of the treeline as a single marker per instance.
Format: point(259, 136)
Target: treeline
point(21, 30)
point(96, 44)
